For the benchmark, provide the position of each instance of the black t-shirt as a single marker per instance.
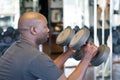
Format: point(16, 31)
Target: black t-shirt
point(24, 62)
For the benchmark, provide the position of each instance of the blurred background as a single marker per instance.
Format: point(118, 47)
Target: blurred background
point(101, 17)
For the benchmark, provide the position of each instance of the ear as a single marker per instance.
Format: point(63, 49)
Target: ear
point(33, 30)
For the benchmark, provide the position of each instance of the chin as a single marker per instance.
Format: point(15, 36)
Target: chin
point(41, 41)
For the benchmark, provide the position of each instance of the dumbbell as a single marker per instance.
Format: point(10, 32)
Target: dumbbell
point(64, 37)
point(79, 39)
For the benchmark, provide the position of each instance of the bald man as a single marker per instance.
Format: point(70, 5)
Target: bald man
point(24, 61)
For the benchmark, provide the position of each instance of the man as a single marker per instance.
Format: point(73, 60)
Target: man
point(24, 61)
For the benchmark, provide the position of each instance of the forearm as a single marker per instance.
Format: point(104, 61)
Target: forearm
point(89, 51)
point(59, 61)
point(79, 73)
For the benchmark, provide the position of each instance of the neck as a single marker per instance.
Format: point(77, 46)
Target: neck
point(30, 41)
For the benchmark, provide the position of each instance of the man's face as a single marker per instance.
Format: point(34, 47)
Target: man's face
point(43, 33)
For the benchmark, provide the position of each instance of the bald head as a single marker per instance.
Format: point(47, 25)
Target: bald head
point(28, 19)
point(33, 28)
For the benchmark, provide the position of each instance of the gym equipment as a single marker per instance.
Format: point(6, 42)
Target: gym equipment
point(116, 49)
point(76, 41)
point(64, 38)
point(118, 41)
point(66, 35)
point(101, 56)
point(78, 54)
point(1, 30)
point(80, 39)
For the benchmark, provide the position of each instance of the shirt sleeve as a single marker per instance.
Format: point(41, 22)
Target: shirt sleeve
point(44, 68)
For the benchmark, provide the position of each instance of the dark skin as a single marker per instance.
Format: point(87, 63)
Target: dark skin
point(33, 29)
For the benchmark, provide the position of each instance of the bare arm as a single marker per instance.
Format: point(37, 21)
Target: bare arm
point(79, 73)
point(60, 60)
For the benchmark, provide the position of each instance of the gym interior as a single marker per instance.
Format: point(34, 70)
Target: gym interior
point(100, 17)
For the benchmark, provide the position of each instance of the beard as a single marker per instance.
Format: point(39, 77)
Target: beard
point(41, 41)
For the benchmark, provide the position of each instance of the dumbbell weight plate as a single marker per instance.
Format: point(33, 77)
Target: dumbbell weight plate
point(78, 54)
point(101, 56)
point(80, 38)
point(65, 36)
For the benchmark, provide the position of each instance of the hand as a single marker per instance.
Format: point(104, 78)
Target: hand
point(71, 50)
point(90, 49)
